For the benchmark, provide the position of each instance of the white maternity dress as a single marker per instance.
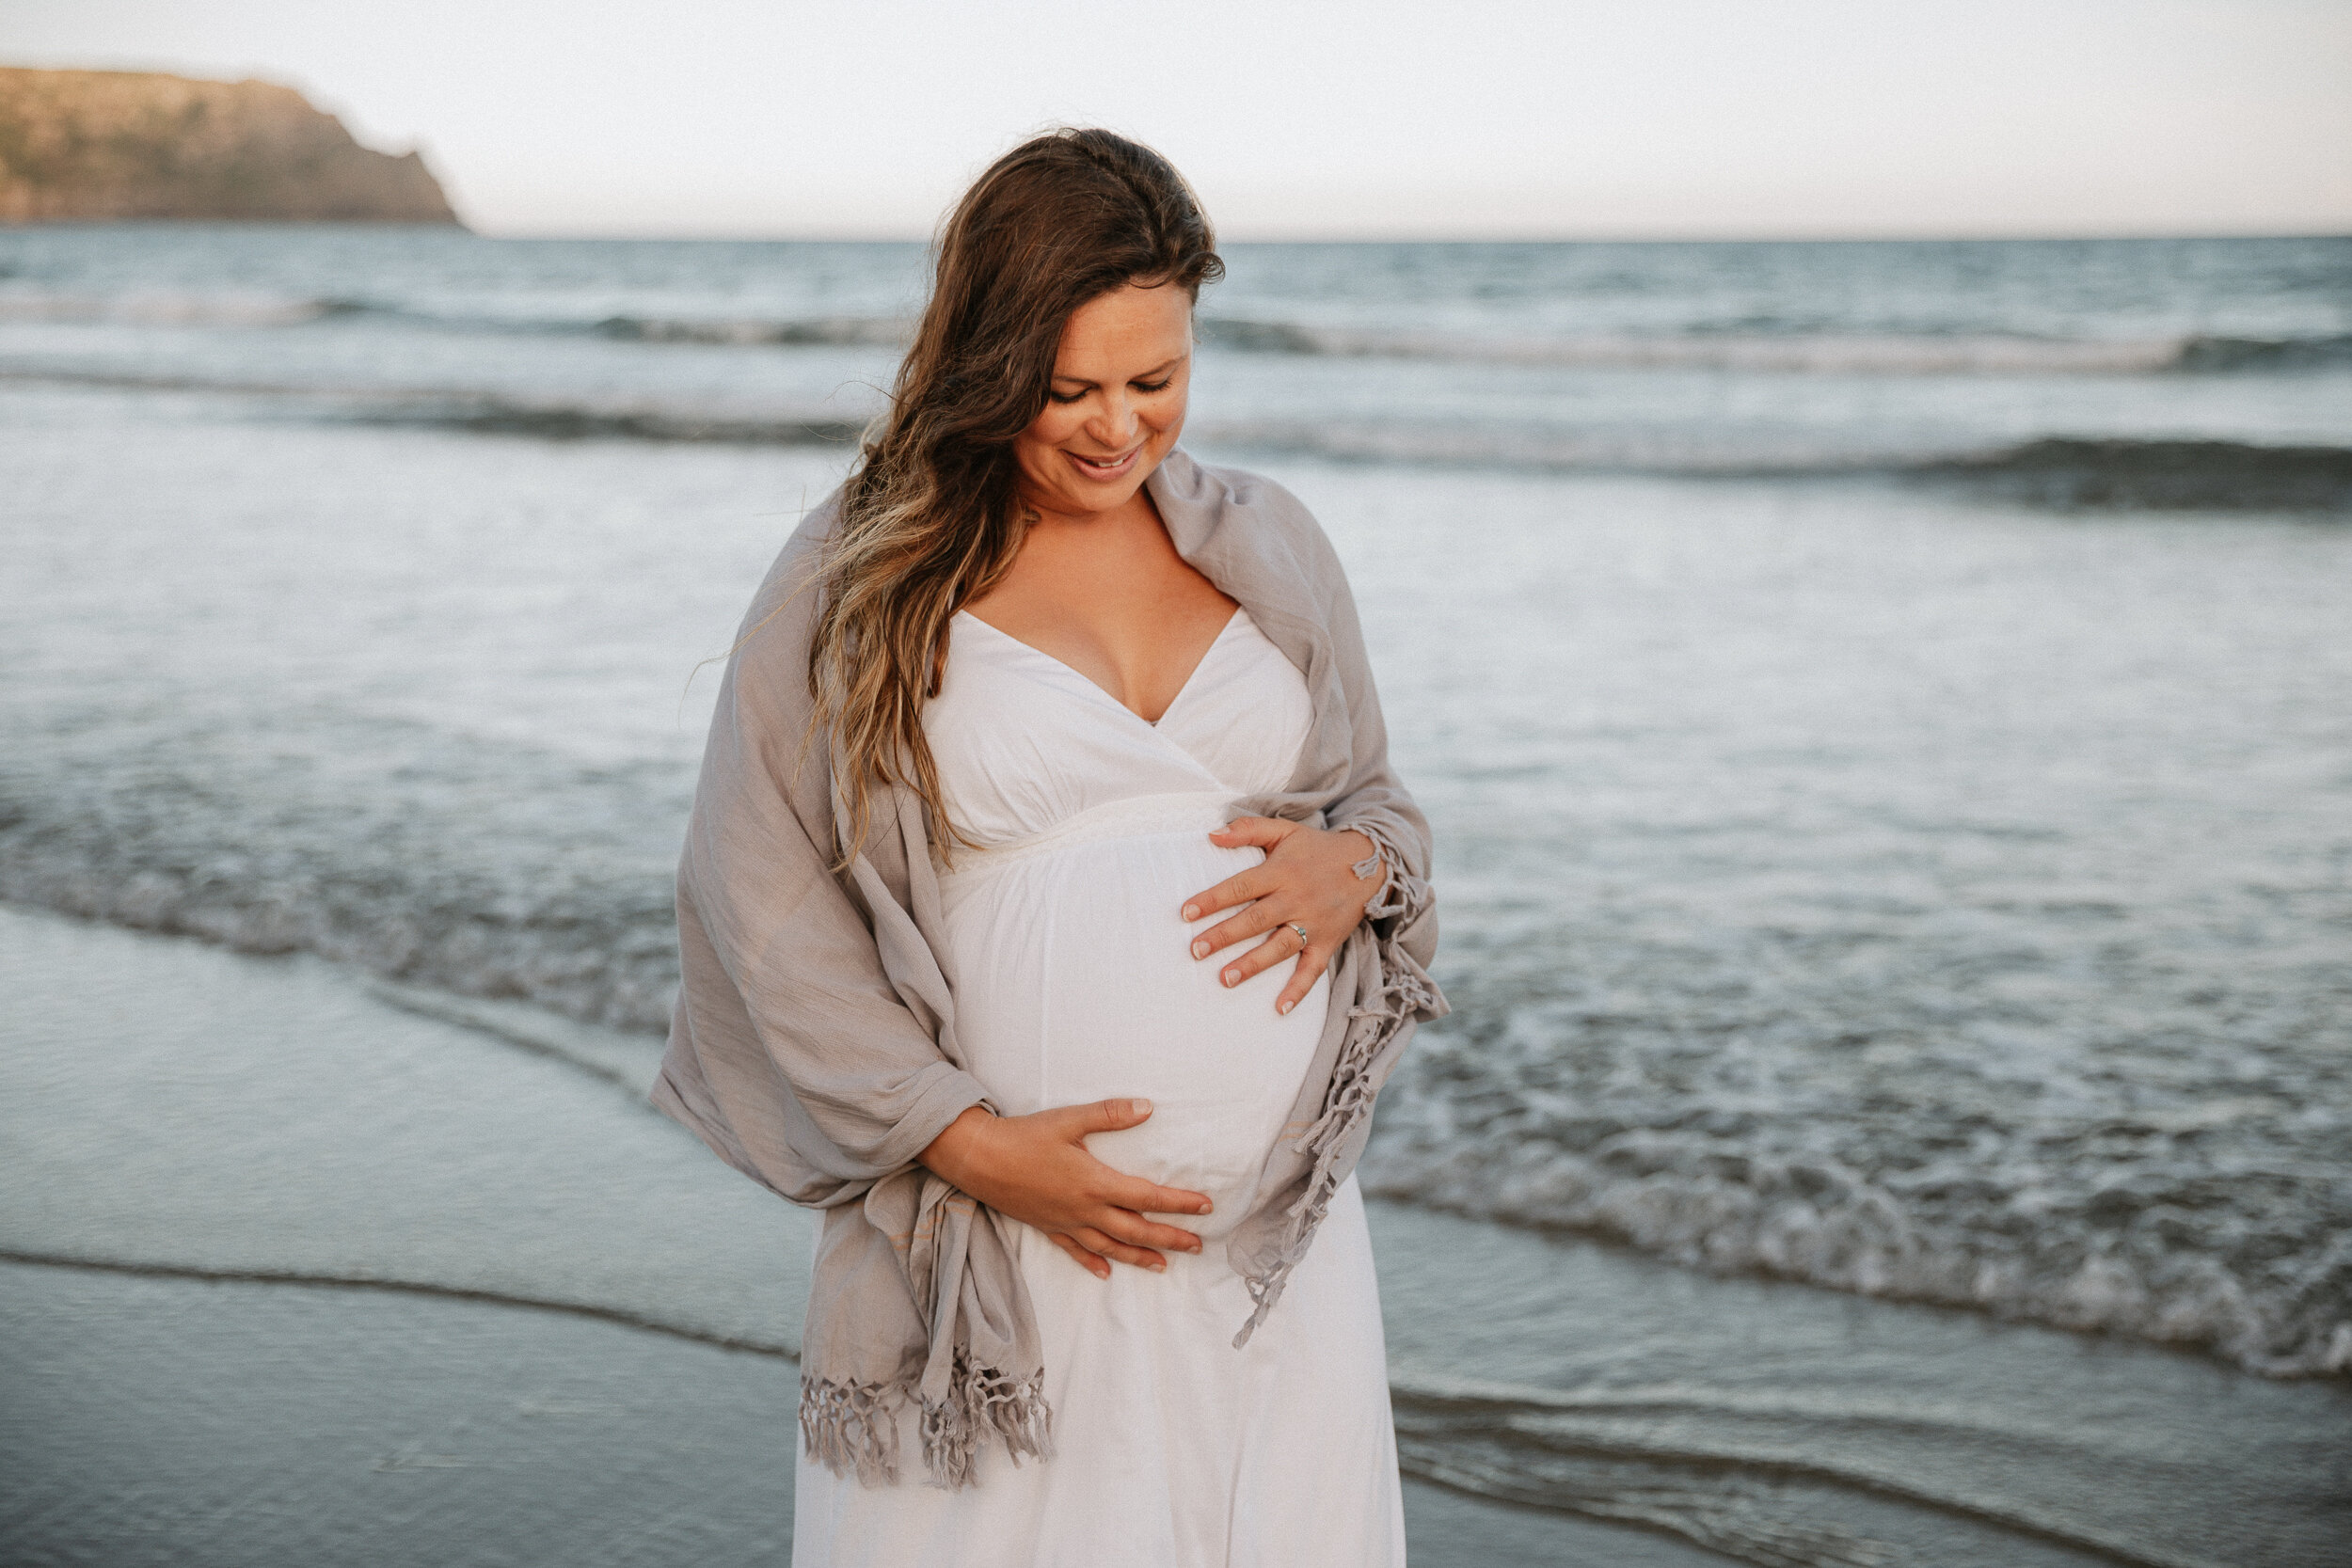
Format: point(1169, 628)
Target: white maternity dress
point(1073, 982)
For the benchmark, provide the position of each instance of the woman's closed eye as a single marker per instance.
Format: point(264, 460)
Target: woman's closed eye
point(1145, 387)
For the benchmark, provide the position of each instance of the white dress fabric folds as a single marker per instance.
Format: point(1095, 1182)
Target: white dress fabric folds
point(1068, 960)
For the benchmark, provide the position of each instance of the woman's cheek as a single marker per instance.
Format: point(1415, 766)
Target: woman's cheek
point(1167, 421)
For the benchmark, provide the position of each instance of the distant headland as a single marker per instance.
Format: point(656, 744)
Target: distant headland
point(86, 146)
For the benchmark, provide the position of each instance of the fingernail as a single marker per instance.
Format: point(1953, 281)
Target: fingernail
point(1199, 949)
point(1232, 975)
point(1205, 1206)
point(1138, 1107)
point(1156, 1268)
point(1284, 1005)
point(1192, 911)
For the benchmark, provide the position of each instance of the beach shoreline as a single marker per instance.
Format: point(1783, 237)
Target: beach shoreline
point(164, 1098)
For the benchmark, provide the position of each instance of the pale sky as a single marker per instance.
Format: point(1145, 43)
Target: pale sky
point(1470, 119)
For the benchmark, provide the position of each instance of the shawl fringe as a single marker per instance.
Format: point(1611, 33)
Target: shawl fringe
point(984, 1403)
point(1406, 993)
point(852, 1427)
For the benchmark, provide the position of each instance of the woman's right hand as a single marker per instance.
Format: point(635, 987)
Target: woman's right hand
point(1036, 1170)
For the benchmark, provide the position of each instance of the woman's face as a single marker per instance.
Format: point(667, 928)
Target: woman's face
point(1117, 401)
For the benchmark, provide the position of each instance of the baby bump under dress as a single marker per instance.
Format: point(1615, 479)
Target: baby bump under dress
point(1073, 982)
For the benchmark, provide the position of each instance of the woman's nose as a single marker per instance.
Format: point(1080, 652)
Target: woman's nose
point(1115, 426)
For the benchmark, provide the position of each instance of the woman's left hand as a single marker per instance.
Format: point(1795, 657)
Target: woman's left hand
point(1309, 877)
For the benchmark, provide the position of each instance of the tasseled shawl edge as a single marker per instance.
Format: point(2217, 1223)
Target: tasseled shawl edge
point(1403, 992)
point(853, 1427)
point(981, 1403)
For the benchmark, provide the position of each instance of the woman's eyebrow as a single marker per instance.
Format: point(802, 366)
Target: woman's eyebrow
point(1141, 376)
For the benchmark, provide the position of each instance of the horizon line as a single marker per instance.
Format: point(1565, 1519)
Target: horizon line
point(900, 236)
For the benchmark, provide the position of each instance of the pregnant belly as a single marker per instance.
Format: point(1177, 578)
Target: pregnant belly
point(1075, 981)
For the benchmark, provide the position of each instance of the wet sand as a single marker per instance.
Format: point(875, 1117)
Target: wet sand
point(160, 1420)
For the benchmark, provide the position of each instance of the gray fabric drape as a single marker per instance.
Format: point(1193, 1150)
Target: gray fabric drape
point(814, 1043)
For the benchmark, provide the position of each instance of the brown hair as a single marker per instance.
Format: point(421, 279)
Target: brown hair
point(929, 517)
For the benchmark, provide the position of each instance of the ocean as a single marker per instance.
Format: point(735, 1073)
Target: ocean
point(1885, 708)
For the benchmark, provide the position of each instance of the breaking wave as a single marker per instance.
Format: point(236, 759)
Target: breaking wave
point(261, 310)
point(1921, 354)
point(488, 413)
point(2064, 472)
point(2212, 1228)
point(2060, 472)
point(2266, 354)
point(269, 856)
point(2214, 1224)
point(2074, 472)
point(158, 308)
point(842, 331)
point(1902, 353)
point(562, 421)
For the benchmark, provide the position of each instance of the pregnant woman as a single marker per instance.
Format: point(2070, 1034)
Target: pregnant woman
point(1050, 918)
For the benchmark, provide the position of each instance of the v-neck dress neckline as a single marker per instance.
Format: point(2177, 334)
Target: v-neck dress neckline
point(1206, 653)
point(1024, 742)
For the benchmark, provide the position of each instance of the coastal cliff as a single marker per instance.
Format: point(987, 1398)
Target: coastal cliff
point(96, 145)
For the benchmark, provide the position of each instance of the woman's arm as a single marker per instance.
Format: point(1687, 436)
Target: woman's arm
point(792, 1052)
point(795, 1052)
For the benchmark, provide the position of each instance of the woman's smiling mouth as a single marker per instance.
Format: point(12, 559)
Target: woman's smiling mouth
point(1106, 468)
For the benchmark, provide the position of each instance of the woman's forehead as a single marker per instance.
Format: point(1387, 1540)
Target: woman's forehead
point(1153, 323)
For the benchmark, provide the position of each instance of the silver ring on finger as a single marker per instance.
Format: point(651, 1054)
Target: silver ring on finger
point(1303, 942)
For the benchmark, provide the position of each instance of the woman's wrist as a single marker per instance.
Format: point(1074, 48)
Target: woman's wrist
point(953, 1154)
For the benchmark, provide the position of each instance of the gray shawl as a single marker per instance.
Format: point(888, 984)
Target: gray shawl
point(814, 1042)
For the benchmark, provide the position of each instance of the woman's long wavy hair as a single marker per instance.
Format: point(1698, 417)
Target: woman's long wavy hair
point(930, 519)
